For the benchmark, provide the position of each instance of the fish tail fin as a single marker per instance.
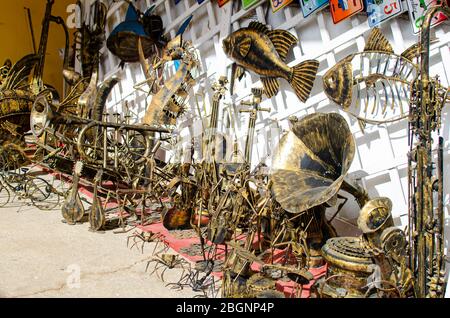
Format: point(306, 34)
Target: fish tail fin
point(302, 78)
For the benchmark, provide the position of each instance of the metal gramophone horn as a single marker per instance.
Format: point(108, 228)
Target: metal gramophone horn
point(311, 161)
point(123, 40)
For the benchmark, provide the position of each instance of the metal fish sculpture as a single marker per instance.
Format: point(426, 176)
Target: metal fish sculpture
point(264, 52)
point(373, 85)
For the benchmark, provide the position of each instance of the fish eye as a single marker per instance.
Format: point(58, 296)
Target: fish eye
point(331, 81)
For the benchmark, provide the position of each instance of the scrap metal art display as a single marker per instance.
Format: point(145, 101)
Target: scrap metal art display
point(252, 232)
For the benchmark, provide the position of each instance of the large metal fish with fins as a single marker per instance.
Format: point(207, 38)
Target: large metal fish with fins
point(373, 85)
point(264, 52)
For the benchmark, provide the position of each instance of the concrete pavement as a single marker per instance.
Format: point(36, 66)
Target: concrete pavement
point(43, 257)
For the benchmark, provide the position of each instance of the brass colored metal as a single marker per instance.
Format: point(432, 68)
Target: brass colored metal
point(377, 77)
point(4, 71)
point(213, 142)
point(256, 101)
point(257, 283)
point(363, 266)
point(15, 106)
point(169, 102)
point(425, 177)
point(73, 209)
point(37, 84)
point(234, 201)
point(24, 80)
point(270, 294)
point(96, 213)
point(249, 213)
point(374, 215)
point(311, 161)
point(90, 37)
point(264, 52)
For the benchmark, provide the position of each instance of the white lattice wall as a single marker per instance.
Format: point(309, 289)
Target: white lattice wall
point(380, 162)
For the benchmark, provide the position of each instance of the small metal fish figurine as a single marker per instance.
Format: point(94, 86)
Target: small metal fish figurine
point(264, 52)
point(377, 78)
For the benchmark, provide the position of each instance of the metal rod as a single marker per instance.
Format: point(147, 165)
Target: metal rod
point(30, 22)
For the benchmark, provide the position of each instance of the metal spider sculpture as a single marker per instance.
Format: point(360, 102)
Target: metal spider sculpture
point(168, 261)
point(144, 237)
point(206, 284)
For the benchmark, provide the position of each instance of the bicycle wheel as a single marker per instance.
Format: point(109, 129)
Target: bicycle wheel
point(5, 196)
point(41, 194)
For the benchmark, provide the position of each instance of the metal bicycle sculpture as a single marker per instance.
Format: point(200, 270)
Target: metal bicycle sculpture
point(24, 185)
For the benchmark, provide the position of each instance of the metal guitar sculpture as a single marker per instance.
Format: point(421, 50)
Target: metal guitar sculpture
point(73, 209)
point(206, 173)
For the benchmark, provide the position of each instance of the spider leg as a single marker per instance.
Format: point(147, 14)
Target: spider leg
point(154, 249)
point(183, 271)
point(175, 286)
point(162, 273)
point(163, 250)
point(183, 281)
point(134, 243)
point(128, 240)
point(132, 236)
point(185, 265)
point(178, 285)
point(157, 266)
point(214, 290)
point(142, 247)
point(148, 263)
